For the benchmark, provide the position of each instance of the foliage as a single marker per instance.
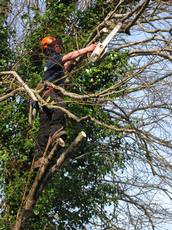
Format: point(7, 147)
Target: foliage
point(73, 196)
point(102, 75)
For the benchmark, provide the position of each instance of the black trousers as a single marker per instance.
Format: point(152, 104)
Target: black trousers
point(50, 121)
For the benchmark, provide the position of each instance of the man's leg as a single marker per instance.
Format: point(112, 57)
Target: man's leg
point(58, 120)
point(43, 135)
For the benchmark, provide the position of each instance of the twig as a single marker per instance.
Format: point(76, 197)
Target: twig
point(24, 85)
point(11, 94)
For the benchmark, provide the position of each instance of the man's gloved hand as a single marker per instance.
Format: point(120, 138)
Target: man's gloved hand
point(34, 108)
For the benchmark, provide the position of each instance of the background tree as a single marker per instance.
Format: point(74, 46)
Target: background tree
point(4, 9)
point(122, 102)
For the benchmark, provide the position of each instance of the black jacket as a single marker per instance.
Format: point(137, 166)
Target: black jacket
point(54, 70)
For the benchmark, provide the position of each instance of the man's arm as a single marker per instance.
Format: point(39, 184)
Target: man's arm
point(69, 58)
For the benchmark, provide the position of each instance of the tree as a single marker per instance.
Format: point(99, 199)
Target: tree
point(4, 8)
point(121, 102)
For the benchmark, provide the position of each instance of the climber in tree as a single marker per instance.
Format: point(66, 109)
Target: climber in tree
point(54, 71)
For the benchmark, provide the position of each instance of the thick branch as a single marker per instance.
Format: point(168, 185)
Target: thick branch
point(42, 178)
point(63, 158)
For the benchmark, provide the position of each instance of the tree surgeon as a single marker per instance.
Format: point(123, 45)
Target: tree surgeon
point(54, 71)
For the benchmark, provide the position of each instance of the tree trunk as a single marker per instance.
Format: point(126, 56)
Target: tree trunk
point(41, 180)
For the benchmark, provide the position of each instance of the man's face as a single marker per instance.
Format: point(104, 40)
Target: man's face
point(57, 48)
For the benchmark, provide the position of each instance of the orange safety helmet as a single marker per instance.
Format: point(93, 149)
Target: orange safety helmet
point(45, 42)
